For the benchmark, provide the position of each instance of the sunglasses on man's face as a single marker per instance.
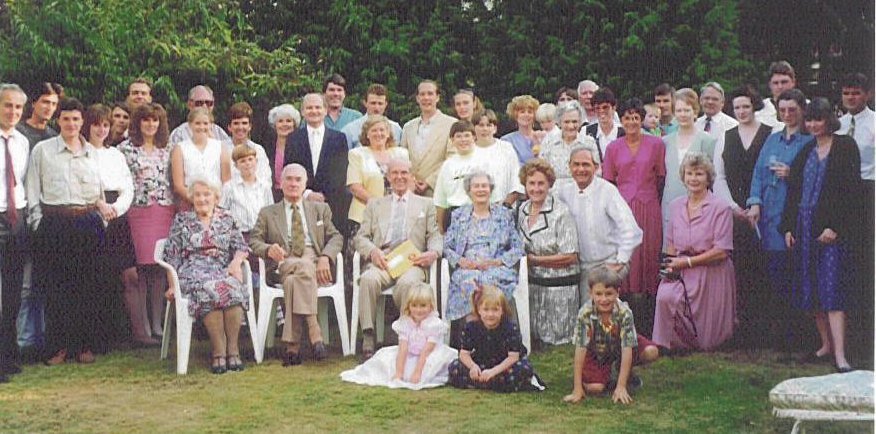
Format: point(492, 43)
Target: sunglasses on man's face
point(203, 103)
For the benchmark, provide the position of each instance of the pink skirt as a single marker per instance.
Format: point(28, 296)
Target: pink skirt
point(644, 263)
point(148, 225)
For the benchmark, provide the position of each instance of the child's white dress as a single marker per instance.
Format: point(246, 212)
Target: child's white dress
point(379, 369)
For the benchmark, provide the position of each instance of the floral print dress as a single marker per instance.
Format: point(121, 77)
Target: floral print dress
point(201, 256)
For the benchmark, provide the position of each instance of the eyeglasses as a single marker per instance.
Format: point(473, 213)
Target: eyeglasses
point(203, 103)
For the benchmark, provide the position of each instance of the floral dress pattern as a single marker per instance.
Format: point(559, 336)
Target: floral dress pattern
point(151, 174)
point(201, 256)
point(495, 237)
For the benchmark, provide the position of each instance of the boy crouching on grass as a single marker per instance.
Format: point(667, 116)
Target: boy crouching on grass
point(605, 335)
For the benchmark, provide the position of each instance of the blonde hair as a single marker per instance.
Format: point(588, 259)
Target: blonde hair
point(521, 102)
point(491, 296)
point(419, 293)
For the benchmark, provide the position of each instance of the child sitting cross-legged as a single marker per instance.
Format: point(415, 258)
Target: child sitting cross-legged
point(604, 336)
point(421, 359)
point(492, 355)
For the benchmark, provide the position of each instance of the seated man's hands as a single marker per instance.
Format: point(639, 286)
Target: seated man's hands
point(424, 259)
point(276, 253)
point(379, 259)
point(323, 271)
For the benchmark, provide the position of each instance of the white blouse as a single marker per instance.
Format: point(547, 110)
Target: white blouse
point(116, 176)
point(202, 164)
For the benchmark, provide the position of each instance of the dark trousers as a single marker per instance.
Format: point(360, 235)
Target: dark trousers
point(66, 263)
point(12, 254)
point(860, 308)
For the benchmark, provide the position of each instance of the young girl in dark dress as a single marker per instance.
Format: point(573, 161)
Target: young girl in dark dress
point(492, 355)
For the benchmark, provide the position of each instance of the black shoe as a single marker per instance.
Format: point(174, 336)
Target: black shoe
point(319, 351)
point(634, 383)
point(234, 363)
point(291, 359)
point(218, 366)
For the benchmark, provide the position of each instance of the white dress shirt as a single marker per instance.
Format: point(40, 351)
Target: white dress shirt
point(244, 201)
point(864, 136)
point(116, 176)
point(19, 148)
point(402, 203)
point(607, 230)
point(315, 136)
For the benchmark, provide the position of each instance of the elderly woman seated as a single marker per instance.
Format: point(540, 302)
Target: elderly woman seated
point(551, 242)
point(482, 247)
point(207, 250)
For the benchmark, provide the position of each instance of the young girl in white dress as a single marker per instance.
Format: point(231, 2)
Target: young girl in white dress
point(420, 360)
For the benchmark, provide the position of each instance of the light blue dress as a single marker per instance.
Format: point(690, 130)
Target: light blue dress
point(495, 237)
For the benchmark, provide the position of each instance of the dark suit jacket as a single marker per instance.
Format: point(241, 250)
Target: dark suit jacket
point(591, 131)
point(840, 199)
point(330, 178)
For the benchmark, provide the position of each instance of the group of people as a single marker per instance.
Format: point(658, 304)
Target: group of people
point(627, 214)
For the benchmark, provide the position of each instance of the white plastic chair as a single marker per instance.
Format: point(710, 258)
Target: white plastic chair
point(520, 299)
point(179, 309)
point(385, 295)
point(268, 294)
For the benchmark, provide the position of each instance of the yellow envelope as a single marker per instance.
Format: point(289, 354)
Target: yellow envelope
point(399, 258)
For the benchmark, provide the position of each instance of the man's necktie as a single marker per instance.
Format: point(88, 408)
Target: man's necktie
point(708, 126)
point(297, 241)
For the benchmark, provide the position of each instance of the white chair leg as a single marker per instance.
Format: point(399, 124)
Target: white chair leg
point(254, 334)
point(266, 306)
point(165, 338)
point(341, 312)
point(354, 320)
point(183, 340)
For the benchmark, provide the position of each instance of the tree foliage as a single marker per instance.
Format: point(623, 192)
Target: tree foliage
point(95, 48)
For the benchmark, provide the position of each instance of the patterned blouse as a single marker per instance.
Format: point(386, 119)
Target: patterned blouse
point(605, 340)
point(151, 173)
point(554, 233)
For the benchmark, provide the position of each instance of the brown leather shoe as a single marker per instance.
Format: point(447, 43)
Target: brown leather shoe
point(59, 358)
point(85, 357)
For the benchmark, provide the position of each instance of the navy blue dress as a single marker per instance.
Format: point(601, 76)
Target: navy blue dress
point(488, 348)
point(817, 267)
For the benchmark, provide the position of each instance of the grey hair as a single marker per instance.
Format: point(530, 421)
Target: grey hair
point(583, 83)
point(200, 180)
point(567, 107)
point(314, 94)
point(714, 85)
point(581, 147)
point(466, 182)
point(194, 89)
point(395, 161)
point(293, 166)
point(607, 277)
point(12, 87)
point(546, 112)
point(284, 110)
point(698, 160)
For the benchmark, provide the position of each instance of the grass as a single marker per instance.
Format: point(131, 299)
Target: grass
point(132, 391)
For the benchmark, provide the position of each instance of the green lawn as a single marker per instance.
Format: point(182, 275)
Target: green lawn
point(132, 391)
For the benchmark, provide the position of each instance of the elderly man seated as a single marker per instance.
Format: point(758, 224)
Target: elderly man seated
point(298, 241)
point(388, 222)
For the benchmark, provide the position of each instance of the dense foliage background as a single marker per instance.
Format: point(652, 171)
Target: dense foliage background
point(267, 52)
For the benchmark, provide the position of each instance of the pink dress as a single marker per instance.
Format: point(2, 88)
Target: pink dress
point(380, 369)
point(637, 178)
point(711, 288)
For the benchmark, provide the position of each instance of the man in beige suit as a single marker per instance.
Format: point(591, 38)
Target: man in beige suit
point(426, 138)
point(298, 240)
point(389, 221)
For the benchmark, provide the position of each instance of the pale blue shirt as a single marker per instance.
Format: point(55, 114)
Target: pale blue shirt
point(354, 129)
